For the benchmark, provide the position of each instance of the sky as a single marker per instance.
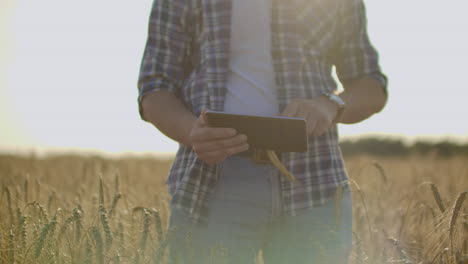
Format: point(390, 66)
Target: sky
point(68, 74)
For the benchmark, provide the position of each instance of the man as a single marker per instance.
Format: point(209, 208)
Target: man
point(265, 57)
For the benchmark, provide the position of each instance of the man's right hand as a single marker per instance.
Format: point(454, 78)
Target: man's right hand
point(213, 145)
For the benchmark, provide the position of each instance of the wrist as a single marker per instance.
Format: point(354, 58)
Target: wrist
point(338, 106)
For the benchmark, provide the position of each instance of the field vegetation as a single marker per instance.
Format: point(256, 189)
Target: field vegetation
point(90, 209)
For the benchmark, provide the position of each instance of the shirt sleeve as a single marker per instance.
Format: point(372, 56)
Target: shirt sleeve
point(162, 63)
point(357, 57)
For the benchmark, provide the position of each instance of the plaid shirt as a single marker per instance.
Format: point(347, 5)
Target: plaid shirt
point(187, 54)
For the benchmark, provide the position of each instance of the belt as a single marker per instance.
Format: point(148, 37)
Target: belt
point(262, 156)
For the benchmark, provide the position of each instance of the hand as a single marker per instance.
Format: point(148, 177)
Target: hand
point(213, 145)
point(318, 112)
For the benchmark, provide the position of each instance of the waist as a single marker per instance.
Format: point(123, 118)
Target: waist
point(257, 155)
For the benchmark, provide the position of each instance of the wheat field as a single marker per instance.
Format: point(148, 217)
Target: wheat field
point(91, 209)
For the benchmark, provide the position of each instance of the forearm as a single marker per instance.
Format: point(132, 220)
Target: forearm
point(363, 97)
point(167, 113)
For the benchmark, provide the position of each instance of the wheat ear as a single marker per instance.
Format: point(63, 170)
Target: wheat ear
point(437, 197)
point(22, 229)
point(144, 237)
point(26, 191)
point(46, 231)
point(455, 213)
point(10, 208)
point(381, 171)
point(38, 188)
point(106, 226)
point(277, 163)
point(11, 246)
point(77, 217)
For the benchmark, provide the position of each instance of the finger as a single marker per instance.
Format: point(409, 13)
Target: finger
point(290, 110)
point(222, 143)
point(311, 122)
point(200, 122)
point(303, 113)
point(203, 116)
point(202, 134)
point(319, 128)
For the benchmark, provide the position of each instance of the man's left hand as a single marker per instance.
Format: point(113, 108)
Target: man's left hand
point(318, 112)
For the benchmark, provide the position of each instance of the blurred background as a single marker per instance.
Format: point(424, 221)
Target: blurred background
point(68, 74)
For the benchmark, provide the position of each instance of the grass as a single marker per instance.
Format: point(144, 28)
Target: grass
point(76, 209)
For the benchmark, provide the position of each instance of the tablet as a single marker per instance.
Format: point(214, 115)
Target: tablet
point(284, 134)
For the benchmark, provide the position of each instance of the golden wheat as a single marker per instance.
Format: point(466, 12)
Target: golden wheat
point(73, 209)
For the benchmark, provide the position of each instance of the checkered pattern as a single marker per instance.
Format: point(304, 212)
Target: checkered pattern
point(187, 54)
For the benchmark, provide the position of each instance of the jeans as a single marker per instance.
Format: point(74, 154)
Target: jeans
point(245, 216)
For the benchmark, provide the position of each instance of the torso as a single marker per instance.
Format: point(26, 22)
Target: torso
point(251, 87)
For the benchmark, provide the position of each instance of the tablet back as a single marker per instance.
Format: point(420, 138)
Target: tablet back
point(276, 133)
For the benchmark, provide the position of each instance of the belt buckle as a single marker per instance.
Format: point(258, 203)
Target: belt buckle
point(259, 156)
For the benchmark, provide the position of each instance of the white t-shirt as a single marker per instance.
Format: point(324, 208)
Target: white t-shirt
point(251, 87)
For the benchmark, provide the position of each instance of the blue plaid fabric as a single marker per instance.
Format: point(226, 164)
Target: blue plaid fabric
point(187, 53)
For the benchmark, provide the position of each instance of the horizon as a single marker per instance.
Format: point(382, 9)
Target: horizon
point(89, 152)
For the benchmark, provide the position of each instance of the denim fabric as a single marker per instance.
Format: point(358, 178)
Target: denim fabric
point(245, 217)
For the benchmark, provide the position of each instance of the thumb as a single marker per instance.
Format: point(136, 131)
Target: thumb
point(202, 120)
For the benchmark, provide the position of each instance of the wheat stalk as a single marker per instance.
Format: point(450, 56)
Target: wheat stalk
point(52, 197)
point(42, 213)
point(103, 215)
point(38, 188)
point(17, 195)
point(88, 252)
point(146, 227)
point(10, 208)
point(117, 182)
point(279, 165)
point(26, 190)
point(465, 240)
point(159, 254)
point(163, 242)
point(434, 217)
point(106, 226)
point(35, 232)
point(99, 244)
point(157, 221)
point(120, 235)
point(101, 192)
point(364, 204)
point(437, 197)
point(381, 171)
point(115, 199)
point(48, 229)
point(106, 191)
point(65, 226)
point(455, 213)
point(22, 229)
point(11, 247)
point(144, 237)
point(77, 218)
point(117, 195)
